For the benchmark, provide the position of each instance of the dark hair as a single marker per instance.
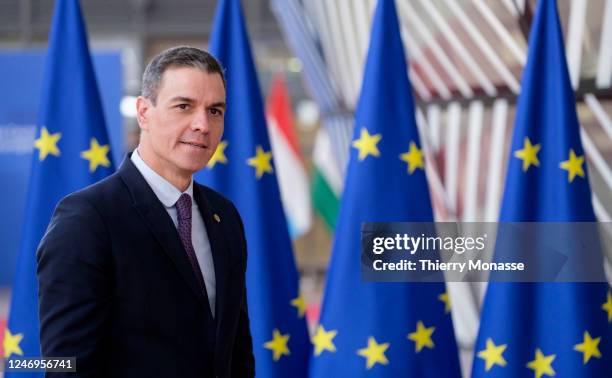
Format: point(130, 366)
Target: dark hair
point(181, 56)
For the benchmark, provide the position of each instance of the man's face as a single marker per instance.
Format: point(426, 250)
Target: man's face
point(181, 132)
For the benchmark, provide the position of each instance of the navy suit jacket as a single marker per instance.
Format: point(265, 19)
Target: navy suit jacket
point(117, 291)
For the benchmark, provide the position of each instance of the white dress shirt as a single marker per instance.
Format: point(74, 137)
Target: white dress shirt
point(168, 195)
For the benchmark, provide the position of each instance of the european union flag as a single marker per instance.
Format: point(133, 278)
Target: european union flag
point(383, 329)
point(242, 170)
point(71, 152)
point(546, 329)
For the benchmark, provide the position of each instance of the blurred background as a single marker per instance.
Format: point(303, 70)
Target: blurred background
point(465, 58)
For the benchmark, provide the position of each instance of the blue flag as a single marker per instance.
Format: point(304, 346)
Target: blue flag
point(242, 170)
point(383, 329)
point(545, 329)
point(71, 151)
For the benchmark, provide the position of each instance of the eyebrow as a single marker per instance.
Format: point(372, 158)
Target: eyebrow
point(181, 99)
point(219, 104)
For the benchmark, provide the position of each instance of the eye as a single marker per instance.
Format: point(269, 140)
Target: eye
point(215, 112)
point(183, 106)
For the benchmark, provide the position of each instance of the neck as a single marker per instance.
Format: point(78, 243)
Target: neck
point(179, 180)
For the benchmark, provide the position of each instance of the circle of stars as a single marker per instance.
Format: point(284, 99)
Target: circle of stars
point(529, 156)
point(47, 144)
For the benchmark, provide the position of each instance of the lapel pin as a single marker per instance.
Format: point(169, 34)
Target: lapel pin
point(217, 218)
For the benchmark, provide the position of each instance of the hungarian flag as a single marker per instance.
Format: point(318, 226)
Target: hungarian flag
point(326, 180)
point(290, 167)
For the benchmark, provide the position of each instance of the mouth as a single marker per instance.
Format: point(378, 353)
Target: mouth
point(194, 144)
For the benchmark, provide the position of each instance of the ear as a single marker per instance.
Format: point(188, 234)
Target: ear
point(143, 107)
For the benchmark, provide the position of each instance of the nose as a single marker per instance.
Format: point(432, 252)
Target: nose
point(200, 122)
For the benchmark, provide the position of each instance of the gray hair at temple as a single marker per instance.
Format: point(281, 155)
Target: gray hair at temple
point(181, 56)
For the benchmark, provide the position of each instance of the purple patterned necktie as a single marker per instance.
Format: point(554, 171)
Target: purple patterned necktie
point(183, 207)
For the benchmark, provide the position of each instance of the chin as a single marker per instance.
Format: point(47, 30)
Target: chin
point(192, 169)
point(192, 166)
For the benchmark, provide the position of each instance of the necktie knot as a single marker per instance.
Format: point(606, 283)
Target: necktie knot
point(183, 206)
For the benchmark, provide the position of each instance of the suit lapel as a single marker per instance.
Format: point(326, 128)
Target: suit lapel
point(159, 222)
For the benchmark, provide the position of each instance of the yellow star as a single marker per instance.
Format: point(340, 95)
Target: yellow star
point(447, 303)
point(529, 154)
point(422, 337)
point(219, 155)
point(573, 166)
point(588, 347)
point(11, 343)
point(278, 345)
point(96, 155)
point(261, 162)
point(607, 307)
point(414, 158)
point(542, 364)
point(374, 353)
point(300, 304)
point(366, 144)
point(324, 340)
point(493, 354)
point(47, 144)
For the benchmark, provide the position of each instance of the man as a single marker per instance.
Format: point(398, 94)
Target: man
point(143, 273)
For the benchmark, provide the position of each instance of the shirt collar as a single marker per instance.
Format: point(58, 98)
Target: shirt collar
point(167, 193)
